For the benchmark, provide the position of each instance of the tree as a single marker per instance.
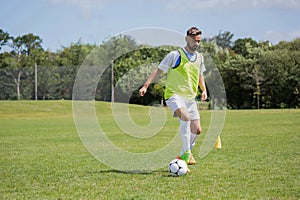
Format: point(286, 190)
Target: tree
point(74, 55)
point(67, 62)
point(240, 48)
point(108, 55)
point(218, 75)
point(281, 67)
point(255, 74)
point(26, 43)
point(17, 64)
point(4, 38)
point(224, 39)
point(256, 77)
point(133, 67)
point(244, 78)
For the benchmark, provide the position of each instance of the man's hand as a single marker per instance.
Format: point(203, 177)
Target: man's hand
point(204, 96)
point(142, 91)
point(156, 72)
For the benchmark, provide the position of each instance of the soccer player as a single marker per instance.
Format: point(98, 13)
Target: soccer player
point(184, 68)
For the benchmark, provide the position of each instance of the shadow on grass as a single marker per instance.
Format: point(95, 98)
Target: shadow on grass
point(164, 173)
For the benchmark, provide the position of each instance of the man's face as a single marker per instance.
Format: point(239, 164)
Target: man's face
point(193, 42)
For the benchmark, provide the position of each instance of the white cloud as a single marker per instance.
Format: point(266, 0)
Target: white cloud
point(295, 34)
point(277, 36)
point(183, 5)
point(87, 6)
point(187, 6)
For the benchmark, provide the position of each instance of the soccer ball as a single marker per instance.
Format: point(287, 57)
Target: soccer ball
point(177, 167)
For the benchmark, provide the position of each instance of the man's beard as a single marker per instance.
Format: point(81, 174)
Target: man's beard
point(193, 48)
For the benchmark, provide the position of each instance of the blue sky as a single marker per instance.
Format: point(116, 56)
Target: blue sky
point(62, 22)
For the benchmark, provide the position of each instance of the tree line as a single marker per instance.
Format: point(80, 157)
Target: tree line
point(255, 74)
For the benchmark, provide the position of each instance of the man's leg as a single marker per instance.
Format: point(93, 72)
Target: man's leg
point(195, 132)
point(178, 106)
point(185, 131)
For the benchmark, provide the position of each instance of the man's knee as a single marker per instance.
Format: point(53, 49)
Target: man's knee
point(198, 130)
point(196, 127)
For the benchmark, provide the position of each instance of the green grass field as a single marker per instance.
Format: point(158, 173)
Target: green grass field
point(42, 157)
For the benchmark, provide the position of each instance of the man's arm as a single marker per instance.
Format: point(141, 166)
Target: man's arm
point(203, 88)
point(156, 73)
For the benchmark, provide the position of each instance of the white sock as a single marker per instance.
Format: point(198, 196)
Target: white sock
point(185, 133)
point(193, 140)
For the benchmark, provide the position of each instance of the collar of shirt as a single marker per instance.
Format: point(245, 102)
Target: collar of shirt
point(191, 56)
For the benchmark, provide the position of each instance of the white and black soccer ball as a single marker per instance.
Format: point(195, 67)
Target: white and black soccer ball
point(177, 167)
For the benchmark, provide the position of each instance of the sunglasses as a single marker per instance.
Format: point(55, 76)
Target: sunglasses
point(198, 41)
point(194, 31)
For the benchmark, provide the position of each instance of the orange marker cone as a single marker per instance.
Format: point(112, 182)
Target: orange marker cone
point(218, 144)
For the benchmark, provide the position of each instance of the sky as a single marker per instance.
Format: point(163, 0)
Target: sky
point(62, 22)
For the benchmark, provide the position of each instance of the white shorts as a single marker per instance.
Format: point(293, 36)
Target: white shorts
point(175, 102)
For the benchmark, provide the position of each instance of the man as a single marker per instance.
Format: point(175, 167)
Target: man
point(184, 68)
